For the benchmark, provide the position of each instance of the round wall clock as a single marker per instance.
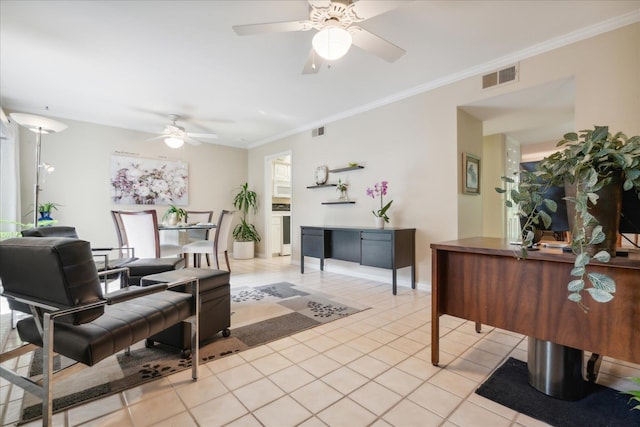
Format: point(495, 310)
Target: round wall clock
point(321, 175)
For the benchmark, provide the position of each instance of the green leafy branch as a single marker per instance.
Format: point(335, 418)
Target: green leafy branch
point(635, 394)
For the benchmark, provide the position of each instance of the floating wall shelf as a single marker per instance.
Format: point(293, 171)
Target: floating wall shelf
point(339, 202)
point(348, 168)
point(322, 185)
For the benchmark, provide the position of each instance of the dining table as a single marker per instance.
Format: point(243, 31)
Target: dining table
point(176, 234)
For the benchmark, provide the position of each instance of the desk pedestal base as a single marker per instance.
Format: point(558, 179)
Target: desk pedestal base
point(555, 370)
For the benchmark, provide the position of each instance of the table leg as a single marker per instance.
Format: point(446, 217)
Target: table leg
point(413, 275)
point(478, 327)
point(322, 264)
point(394, 280)
point(435, 339)
point(435, 315)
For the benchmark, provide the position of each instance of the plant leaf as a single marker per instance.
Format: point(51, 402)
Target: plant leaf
point(577, 271)
point(598, 236)
point(546, 219)
point(599, 133)
point(602, 256)
point(576, 285)
point(599, 295)
point(593, 198)
point(575, 297)
point(602, 282)
point(551, 205)
point(581, 260)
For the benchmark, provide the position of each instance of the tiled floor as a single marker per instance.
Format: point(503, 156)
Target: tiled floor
point(369, 369)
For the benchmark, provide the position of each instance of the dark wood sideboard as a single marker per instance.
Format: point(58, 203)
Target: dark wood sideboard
point(481, 280)
point(389, 248)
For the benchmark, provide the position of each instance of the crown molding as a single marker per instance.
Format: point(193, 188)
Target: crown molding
point(537, 49)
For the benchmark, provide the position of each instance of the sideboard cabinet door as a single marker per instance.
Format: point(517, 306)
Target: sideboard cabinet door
point(376, 248)
point(313, 242)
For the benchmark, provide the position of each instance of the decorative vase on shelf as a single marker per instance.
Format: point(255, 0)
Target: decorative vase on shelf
point(379, 222)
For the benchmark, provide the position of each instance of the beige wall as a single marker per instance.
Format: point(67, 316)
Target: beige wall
point(416, 144)
point(534, 152)
point(82, 154)
point(493, 212)
point(469, 205)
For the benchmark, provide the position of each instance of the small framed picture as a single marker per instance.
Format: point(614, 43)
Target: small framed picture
point(471, 174)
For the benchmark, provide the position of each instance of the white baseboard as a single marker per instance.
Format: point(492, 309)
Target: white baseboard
point(364, 272)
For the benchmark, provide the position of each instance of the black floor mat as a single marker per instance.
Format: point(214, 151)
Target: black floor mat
point(602, 406)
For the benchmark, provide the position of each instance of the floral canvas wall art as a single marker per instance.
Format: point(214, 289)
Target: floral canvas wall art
point(138, 181)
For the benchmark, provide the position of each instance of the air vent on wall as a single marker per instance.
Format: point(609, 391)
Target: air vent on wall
point(317, 132)
point(506, 75)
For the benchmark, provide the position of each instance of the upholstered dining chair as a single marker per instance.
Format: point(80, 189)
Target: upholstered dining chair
point(197, 217)
point(214, 247)
point(139, 230)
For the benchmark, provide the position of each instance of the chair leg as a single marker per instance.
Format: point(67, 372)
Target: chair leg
point(47, 371)
point(208, 260)
point(226, 257)
point(195, 330)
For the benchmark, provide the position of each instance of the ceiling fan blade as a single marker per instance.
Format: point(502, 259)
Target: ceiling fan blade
point(202, 135)
point(191, 141)
point(155, 138)
point(313, 63)
point(374, 44)
point(274, 27)
point(319, 3)
point(365, 9)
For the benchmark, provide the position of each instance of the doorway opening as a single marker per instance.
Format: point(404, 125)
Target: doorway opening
point(278, 205)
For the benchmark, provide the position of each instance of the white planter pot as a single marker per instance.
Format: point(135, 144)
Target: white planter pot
point(173, 219)
point(243, 250)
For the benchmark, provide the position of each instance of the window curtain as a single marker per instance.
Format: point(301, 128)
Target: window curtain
point(9, 178)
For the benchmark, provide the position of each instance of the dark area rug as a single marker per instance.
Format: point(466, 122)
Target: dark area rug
point(602, 406)
point(259, 315)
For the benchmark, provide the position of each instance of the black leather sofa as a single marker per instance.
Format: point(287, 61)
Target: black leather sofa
point(57, 279)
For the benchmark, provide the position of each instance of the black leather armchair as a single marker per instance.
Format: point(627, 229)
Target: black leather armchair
point(56, 278)
point(138, 267)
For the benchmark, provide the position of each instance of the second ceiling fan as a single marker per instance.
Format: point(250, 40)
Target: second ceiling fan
point(334, 21)
point(175, 135)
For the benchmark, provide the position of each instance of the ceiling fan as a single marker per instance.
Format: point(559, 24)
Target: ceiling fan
point(175, 135)
point(334, 21)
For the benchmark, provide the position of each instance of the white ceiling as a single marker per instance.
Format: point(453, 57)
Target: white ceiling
point(131, 63)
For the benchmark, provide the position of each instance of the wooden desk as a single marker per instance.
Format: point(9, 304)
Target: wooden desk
point(480, 279)
point(390, 248)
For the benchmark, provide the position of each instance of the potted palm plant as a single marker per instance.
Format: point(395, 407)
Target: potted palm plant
point(245, 234)
point(595, 167)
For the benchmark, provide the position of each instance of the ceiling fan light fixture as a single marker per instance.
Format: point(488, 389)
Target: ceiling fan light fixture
point(332, 42)
point(174, 142)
